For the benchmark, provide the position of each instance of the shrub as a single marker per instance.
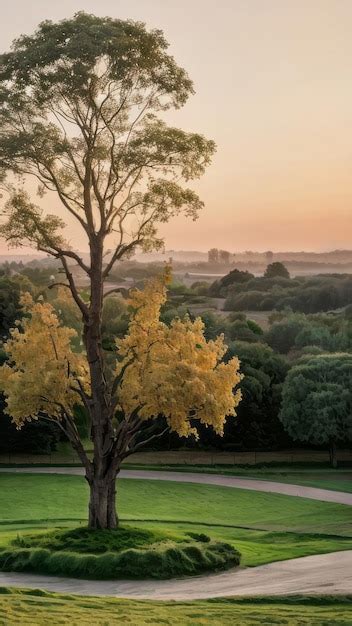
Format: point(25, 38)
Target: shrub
point(156, 554)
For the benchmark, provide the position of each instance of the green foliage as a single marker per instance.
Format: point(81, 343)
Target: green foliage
point(10, 308)
point(219, 287)
point(317, 399)
point(310, 333)
point(257, 424)
point(123, 553)
point(282, 335)
point(276, 269)
point(310, 294)
point(115, 321)
point(200, 287)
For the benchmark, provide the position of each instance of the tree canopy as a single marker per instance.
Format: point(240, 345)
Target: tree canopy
point(80, 105)
point(82, 111)
point(317, 400)
point(159, 370)
point(276, 269)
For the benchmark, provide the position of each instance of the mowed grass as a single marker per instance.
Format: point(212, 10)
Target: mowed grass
point(263, 527)
point(36, 497)
point(37, 607)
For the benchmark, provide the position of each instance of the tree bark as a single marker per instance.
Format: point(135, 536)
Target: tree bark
point(102, 481)
point(333, 455)
point(102, 504)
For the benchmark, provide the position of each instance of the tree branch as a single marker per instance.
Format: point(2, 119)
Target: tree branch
point(141, 444)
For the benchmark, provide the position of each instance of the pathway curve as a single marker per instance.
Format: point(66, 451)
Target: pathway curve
point(313, 493)
point(319, 574)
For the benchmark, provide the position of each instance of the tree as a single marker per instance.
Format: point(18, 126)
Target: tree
point(276, 269)
point(257, 423)
point(159, 370)
point(269, 255)
point(10, 308)
point(316, 401)
point(80, 105)
point(224, 257)
point(213, 255)
point(282, 335)
point(231, 280)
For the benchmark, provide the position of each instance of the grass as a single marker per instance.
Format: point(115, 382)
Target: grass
point(41, 497)
point(27, 608)
point(124, 553)
point(264, 527)
point(87, 541)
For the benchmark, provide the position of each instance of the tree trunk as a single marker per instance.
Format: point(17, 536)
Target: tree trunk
point(102, 504)
point(333, 456)
point(102, 482)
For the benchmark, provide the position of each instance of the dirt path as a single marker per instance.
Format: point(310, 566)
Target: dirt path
point(252, 484)
point(319, 574)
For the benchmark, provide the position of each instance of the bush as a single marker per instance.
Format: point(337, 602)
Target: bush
point(306, 294)
point(157, 555)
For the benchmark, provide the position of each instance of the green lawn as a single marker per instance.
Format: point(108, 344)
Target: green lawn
point(30, 607)
point(264, 527)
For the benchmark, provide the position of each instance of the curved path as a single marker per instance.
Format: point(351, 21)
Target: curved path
point(313, 493)
point(320, 574)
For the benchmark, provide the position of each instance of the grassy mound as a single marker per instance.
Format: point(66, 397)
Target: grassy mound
point(124, 553)
point(87, 541)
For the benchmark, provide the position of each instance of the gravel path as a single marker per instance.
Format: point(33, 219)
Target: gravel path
point(319, 574)
point(313, 493)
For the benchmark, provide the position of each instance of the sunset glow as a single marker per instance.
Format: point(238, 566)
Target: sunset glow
point(273, 89)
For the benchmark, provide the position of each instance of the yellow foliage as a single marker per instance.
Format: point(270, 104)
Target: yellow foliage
point(163, 370)
point(173, 371)
point(41, 367)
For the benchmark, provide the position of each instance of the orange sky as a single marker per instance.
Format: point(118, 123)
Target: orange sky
point(273, 83)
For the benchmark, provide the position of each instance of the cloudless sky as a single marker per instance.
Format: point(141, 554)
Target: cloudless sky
point(273, 82)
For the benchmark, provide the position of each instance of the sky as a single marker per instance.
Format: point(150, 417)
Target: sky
point(273, 81)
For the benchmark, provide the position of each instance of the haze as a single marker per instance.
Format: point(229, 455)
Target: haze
point(274, 90)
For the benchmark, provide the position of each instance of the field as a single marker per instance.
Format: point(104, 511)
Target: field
point(19, 607)
point(264, 527)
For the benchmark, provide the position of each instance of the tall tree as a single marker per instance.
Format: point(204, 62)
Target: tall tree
point(81, 106)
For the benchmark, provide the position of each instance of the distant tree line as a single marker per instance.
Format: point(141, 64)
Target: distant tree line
point(277, 291)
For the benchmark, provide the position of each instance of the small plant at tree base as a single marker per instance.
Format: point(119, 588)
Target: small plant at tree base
point(79, 112)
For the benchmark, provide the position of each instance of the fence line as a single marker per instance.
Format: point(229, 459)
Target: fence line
point(189, 457)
